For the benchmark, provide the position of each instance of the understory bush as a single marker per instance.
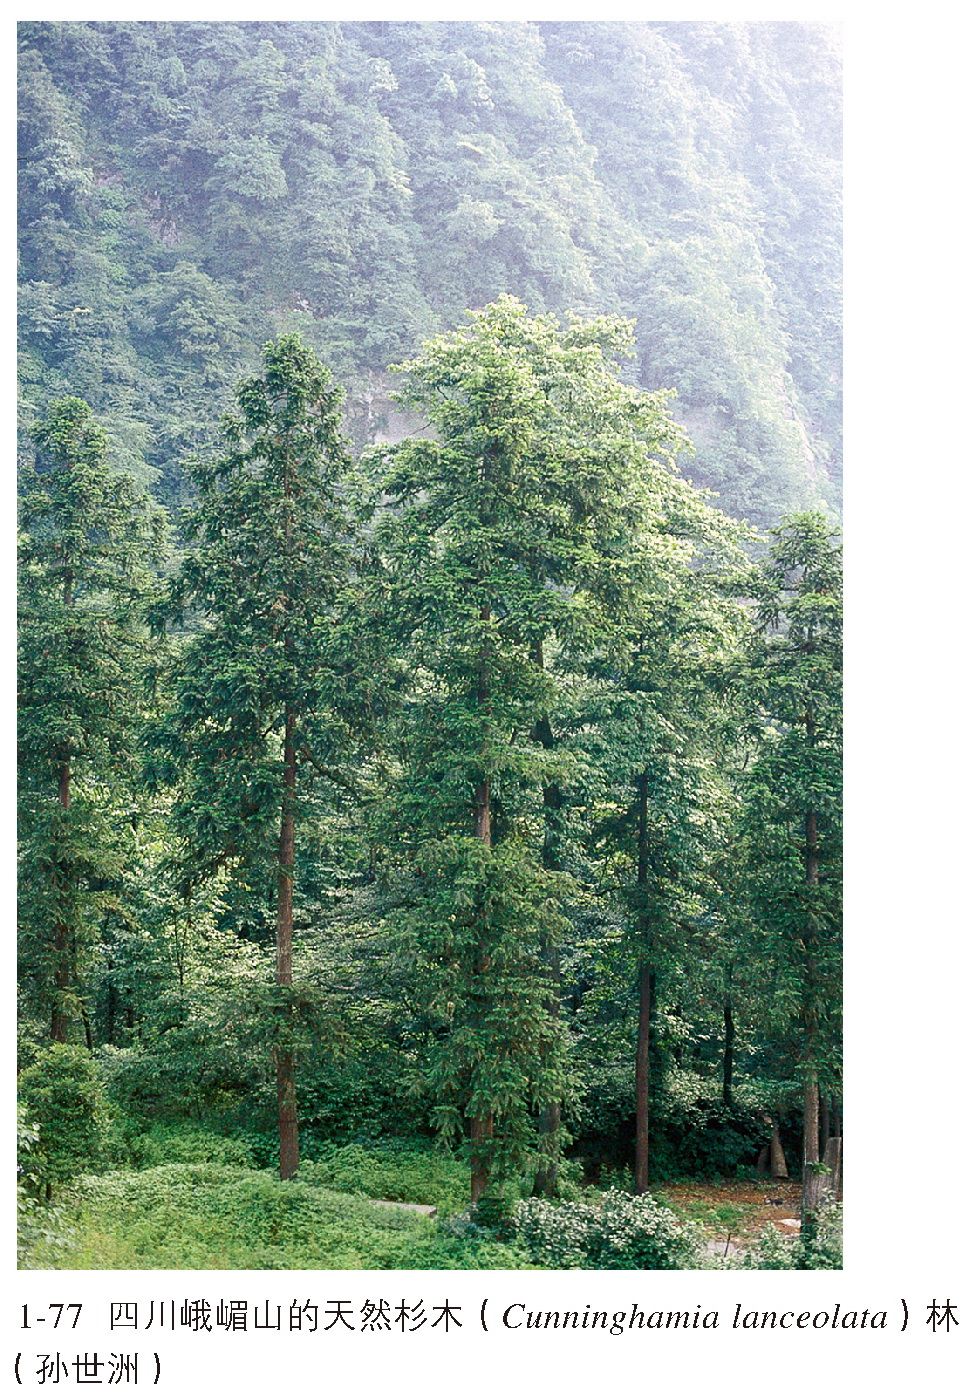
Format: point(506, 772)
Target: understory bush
point(187, 1144)
point(39, 1223)
point(691, 1135)
point(619, 1232)
point(821, 1250)
point(64, 1105)
point(394, 1171)
point(194, 1078)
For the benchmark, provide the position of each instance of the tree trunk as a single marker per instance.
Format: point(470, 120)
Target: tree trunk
point(825, 1130)
point(481, 1126)
point(730, 1038)
point(546, 1179)
point(111, 1003)
point(833, 1157)
point(778, 1167)
point(646, 1003)
point(646, 1009)
point(62, 931)
point(283, 1054)
point(483, 825)
point(812, 1178)
point(481, 1129)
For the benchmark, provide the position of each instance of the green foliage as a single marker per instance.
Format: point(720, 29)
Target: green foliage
point(40, 1224)
point(62, 1097)
point(186, 188)
point(705, 1139)
point(793, 791)
point(510, 531)
point(218, 1217)
point(165, 1144)
point(532, 772)
point(618, 1232)
point(823, 1252)
point(269, 557)
point(395, 1172)
point(89, 539)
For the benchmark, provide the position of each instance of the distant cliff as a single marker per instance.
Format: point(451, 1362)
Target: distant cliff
point(190, 190)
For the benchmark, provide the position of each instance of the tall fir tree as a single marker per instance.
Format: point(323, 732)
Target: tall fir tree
point(89, 539)
point(510, 552)
point(258, 689)
point(660, 713)
point(794, 824)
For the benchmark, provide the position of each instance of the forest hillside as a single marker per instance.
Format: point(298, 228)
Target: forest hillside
point(430, 615)
point(189, 189)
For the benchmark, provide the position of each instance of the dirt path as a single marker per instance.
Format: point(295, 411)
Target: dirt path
point(736, 1210)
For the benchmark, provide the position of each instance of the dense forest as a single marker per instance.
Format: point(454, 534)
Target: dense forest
point(429, 643)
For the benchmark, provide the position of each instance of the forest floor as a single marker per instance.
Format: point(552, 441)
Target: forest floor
point(735, 1211)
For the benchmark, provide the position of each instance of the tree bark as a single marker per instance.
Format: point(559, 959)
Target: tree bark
point(62, 930)
point(546, 1179)
point(646, 1011)
point(825, 1130)
point(283, 1054)
point(644, 1050)
point(778, 1167)
point(483, 822)
point(730, 1038)
point(812, 1178)
point(833, 1157)
point(481, 1126)
point(812, 857)
point(480, 1130)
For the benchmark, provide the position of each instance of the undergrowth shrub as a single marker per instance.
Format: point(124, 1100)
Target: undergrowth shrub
point(396, 1172)
point(619, 1232)
point(39, 1223)
point(823, 1250)
point(194, 1078)
point(63, 1101)
point(187, 1144)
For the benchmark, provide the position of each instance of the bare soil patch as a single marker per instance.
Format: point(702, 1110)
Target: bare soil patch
point(736, 1210)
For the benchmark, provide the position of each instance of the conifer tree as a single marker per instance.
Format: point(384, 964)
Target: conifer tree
point(656, 715)
point(509, 555)
point(257, 688)
point(89, 539)
point(794, 808)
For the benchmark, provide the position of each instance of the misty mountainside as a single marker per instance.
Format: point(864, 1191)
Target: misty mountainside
point(190, 190)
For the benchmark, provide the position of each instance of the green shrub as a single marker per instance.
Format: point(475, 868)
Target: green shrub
point(821, 1250)
point(392, 1171)
point(38, 1223)
point(691, 1135)
point(824, 1248)
point(196, 1076)
point(187, 1144)
point(619, 1232)
point(63, 1100)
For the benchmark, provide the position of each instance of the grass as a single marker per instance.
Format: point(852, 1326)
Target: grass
point(202, 1216)
point(721, 1216)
